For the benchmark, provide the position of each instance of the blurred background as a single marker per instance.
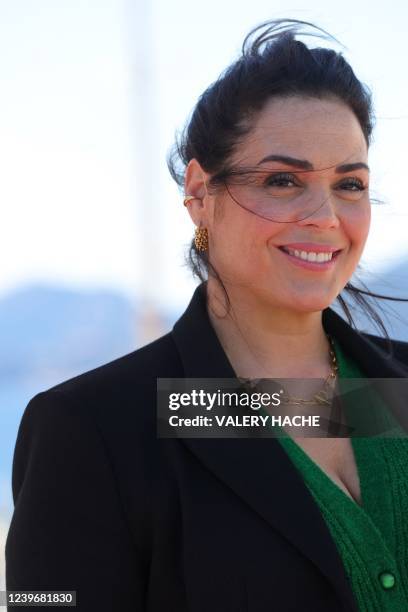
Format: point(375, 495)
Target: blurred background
point(93, 231)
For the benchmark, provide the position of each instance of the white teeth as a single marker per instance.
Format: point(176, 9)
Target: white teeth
point(310, 256)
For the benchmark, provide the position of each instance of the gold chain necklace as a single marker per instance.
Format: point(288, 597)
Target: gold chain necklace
point(322, 397)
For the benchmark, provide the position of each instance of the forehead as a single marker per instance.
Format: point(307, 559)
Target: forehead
point(325, 132)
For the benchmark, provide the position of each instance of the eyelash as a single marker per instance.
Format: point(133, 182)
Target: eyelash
point(289, 177)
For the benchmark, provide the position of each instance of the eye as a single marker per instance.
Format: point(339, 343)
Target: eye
point(285, 179)
point(352, 184)
point(280, 180)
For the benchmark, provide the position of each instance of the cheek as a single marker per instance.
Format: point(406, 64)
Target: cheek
point(239, 242)
point(255, 241)
point(357, 227)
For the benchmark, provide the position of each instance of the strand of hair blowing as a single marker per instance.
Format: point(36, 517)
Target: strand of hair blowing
point(272, 63)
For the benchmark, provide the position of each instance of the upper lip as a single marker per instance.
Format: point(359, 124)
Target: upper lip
point(311, 247)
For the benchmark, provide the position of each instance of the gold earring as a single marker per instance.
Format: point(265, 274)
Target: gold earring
point(201, 238)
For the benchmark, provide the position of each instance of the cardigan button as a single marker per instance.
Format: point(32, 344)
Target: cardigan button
point(387, 580)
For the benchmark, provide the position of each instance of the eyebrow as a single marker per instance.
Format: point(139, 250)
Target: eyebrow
point(306, 165)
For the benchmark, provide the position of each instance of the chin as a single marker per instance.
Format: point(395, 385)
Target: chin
point(311, 302)
point(301, 299)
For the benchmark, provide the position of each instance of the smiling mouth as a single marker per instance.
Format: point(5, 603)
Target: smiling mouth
point(311, 256)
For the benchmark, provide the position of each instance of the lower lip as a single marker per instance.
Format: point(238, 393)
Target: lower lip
point(311, 265)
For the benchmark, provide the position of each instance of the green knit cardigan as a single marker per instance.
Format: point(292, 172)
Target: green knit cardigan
point(372, 539)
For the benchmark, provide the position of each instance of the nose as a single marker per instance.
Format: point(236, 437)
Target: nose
point(321, 215)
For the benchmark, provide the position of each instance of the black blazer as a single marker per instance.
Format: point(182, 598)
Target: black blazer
point(135, 523)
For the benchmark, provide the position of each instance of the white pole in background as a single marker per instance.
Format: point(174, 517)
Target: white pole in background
point(144, 135)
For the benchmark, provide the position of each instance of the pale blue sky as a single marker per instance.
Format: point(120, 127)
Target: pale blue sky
point(93, 92)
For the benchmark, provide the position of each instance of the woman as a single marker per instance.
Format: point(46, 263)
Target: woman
point(276, 181)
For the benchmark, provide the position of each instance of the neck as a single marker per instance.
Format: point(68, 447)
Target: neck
point(264, 340)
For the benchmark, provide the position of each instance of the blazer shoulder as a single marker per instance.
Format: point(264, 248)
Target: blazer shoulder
point(120, 393)
point(116, 401)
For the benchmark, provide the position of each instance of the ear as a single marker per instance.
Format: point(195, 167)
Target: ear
point(195, 185)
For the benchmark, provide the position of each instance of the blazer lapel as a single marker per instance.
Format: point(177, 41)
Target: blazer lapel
point(372, 356)
point(258, 470)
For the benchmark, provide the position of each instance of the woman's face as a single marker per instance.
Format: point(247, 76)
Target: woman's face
point(252, 252)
